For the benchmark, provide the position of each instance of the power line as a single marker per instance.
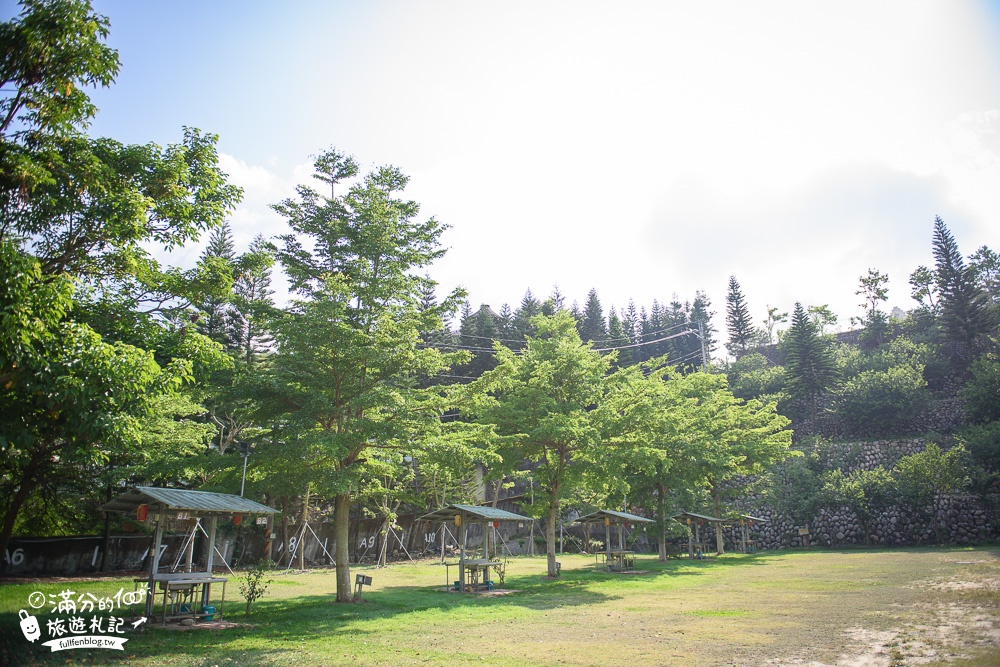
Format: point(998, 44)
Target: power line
point(646, 342)
point(596, 342)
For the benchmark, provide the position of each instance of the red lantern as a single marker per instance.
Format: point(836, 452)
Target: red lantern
point(751, 522)
point(237, 519)
point(496, 524)
point(142, 512)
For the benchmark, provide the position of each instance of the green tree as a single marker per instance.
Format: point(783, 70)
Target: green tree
point(923, 284)
point(526, 312)
point(964, 317)
point(867, 493)
point(77, 217)
point(874, 292)
point(543, 406)
point(742, 333)
point(51, 52)
point(619, 339)
point(216, 318)
point(754, 376)
point(985, 267)
point(982, 391)
point(809, 366)
point(744, 439)
point(823, 317)
point(253, 303)
point(926, 475)
point(774, 318)
point(67, 398)
point(345, 354)
point(883, 390)
point(592, 328)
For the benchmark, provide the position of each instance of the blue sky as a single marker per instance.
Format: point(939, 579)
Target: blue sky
point(642, 148)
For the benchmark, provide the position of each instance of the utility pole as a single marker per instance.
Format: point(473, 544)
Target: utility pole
point(704, 355)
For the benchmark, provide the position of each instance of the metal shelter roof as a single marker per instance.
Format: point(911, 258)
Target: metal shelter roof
point(747, 517)
point(473, 512)
point(615, 517)
point(703, 517)
point(183, 499)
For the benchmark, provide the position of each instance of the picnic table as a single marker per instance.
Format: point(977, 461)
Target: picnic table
point(185, 595)
point(619, 560)
point(471, 569)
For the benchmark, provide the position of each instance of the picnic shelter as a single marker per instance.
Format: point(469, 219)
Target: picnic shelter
point(186, 593)
point(473, 573)
point(697, 548)
point(620, 559)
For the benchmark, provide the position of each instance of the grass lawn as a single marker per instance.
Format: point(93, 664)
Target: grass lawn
point(858, 607)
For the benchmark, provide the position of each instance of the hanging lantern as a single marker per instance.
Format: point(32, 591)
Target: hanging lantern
point(142, 512)
point(458, 519)
point(607, 521)
point(237, 519)
point(689, 521)
point(496, 524)
point(626, 524)
point(751, 522)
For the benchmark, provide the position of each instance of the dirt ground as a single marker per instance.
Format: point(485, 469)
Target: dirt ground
point(956, 620)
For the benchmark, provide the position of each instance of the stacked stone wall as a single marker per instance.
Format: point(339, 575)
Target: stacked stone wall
point(954, 519)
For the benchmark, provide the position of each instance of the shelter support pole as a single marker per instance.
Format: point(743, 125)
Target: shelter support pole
point(621, 536)
point(461, 554)
point(189, 555)
point(154, 564)
point(213, 524)
point(607, 541)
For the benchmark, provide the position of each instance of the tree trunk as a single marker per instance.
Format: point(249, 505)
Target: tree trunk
point(550, 530)
point(341, 525)
point(24, 489)
point(717, 507)
point(663, 523)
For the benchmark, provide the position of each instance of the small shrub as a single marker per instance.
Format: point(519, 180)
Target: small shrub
point(253, 586)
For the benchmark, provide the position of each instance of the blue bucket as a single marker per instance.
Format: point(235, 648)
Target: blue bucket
point(209, 611)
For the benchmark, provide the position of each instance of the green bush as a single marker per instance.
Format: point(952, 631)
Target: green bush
point(883, 391)
point(982, 392)
point(753, 376)
point(253, 586)
point(983, 442)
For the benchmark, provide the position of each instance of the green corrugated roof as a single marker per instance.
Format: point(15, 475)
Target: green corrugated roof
point(184, 499)
point(598, 517)
point(474, 512)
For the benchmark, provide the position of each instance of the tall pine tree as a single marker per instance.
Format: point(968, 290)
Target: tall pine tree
point(592, 327)
point(738, 322)
point(964, 317)
point(809, 364)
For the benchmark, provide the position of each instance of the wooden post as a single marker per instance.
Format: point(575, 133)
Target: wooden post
point(189, 556)
point(154, 563)
point(213, 524)
point(607, 542)
point(621, 536)
point(461, 553)
point(444, 544)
